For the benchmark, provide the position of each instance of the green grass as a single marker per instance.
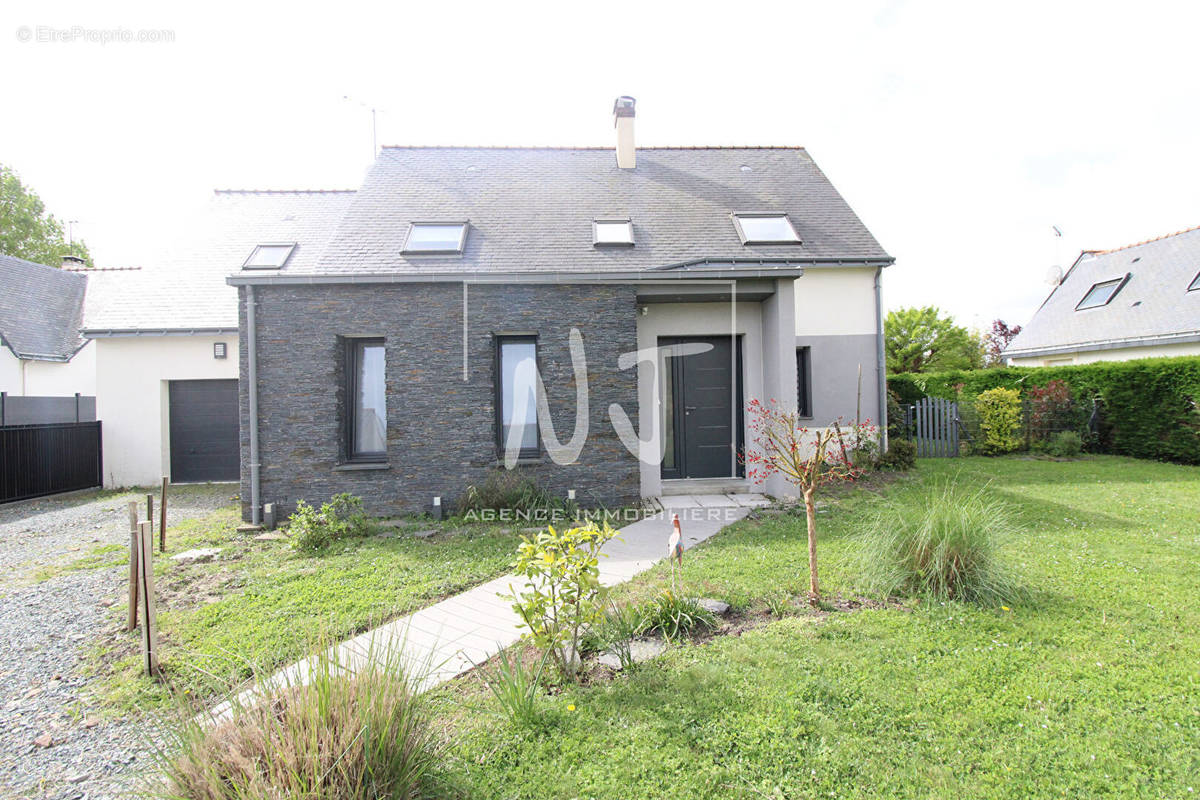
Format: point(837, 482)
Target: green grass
point(1090, 688)
point(263, 605)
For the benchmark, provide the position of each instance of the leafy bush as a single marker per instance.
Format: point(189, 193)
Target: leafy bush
point(508, 489)
point(999, 420)
point(1065, 444)
point(342, 518)
point(1051, 408)
point(946, 547)
point(515, 687)
point(901, 455)
point(341, 734)
point(1150, 407)
point(563, 595)
point(672, 616)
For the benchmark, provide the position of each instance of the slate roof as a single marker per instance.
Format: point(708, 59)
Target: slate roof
point(1153, 307)
point(185, 288)
point(531, 210)
point(40, 308)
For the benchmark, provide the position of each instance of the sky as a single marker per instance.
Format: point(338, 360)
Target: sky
point(961, 133)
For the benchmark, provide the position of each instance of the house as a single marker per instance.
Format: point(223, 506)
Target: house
point(41, 351)
point(1139, 301)
point(165, 338)
point(595, 318)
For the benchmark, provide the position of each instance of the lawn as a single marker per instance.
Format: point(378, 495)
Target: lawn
point(261, 605)
point(1091, 688)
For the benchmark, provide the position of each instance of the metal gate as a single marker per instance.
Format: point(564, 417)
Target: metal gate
point(37, 460)
point(935, 427)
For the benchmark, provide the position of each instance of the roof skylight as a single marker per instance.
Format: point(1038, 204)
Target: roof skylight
point(1101, 294)
point(1195, 284)
point(269, 256)
point(612, 232)
point(436, 237)
point(765, 229)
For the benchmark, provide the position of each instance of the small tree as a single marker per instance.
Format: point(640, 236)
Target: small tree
point(806, 459)
point(996, 340)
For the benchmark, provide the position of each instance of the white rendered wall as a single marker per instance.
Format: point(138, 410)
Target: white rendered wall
point(132, 375)
point(10, 373)
point(49, 378)
point(836, 300)
point(1120, 354)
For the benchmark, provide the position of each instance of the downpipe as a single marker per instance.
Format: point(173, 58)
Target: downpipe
point(252, 391)
point(880, 361)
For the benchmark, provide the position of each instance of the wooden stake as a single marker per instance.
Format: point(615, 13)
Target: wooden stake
point(150, 512)
point(149, 615)
point(162, 524)
point(134, 558)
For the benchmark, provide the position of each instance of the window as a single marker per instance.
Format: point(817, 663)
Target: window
point(366, 400)
point(1101, 293)
point(612, 232)
point(436, 237)
point(269, 256)
point(1195, 284)
point(765, 229)
point(804, 381)
point(516, 405)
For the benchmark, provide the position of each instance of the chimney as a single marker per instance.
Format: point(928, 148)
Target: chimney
point(623, 122)
point(73, 262)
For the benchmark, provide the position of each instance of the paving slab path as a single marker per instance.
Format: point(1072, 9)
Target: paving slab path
point(450, 637)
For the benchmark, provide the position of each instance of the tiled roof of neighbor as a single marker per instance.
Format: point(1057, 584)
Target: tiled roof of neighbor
point(531, 210)
point(185, 289)
point(1155, 305)
point(40, 308)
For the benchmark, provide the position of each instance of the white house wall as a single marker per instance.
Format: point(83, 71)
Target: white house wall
point(132, 398)
point(27, 377)
point(1118, 354)
point(10, 373)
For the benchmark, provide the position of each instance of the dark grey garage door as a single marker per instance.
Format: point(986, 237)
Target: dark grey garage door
point(204, 431)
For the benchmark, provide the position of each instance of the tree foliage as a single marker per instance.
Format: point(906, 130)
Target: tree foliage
point(995, 340)
point(26, 229)
point(925, 340)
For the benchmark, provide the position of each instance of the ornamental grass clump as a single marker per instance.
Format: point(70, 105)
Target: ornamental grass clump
point(338, 734)
point(946, 546)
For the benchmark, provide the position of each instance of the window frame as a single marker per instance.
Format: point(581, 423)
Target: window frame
point(291, 251)
point(596, 223)
point(500, 340)
point(1195, 284)
point(804, 404)
point(1120, 282)
point(746, 240)
point(412, 227)
point(350, 352)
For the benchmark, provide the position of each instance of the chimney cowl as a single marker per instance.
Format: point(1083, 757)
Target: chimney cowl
point(72, 262)
point(623, 106)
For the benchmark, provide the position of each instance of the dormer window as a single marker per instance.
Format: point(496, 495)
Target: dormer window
point(765, 229)
point(1195, 284)
point(269, 256)
point(436, 237)
point(1101, 294)
point(612, 233)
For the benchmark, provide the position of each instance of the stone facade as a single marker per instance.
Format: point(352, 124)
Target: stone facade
point(441, 428)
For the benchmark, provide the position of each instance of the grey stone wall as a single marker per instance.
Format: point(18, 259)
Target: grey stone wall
point(441, 429)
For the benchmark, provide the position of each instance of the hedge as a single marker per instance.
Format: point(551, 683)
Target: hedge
point(1150, 408)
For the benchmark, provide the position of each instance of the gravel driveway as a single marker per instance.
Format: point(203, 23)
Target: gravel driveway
point(44, 628)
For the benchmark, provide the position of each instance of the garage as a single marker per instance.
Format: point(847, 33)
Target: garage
point(204, 430)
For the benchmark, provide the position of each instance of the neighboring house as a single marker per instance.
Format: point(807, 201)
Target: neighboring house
point(165, 338)
point(41, 351)
point(394, 363)
point(1140, 301)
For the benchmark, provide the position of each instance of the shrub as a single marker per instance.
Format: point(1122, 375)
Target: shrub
point(946, 547)
point(901, 455)
point(1065, 444)
point(508, 489)
point(516, 686)
point(342, 518)
point(1051, 408)
point(341, 734)
point(672, 616)
point(563, 595)
point(999, 420)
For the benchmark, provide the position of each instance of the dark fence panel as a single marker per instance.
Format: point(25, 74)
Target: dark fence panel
point(936, 428)
point(37, 460)
point(46, 410)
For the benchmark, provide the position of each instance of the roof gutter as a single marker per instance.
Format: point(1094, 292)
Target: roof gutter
point(112, 333)
point(1107, 344)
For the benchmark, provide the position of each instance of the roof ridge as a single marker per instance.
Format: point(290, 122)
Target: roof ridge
point(37, 264)
point(284, 191)
point(588, 147)
point(1144, 241)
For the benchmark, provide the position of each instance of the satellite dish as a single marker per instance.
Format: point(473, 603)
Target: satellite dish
point(1054, 275)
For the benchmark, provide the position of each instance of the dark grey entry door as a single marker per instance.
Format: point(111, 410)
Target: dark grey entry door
point(204, 430)
point(704, 395)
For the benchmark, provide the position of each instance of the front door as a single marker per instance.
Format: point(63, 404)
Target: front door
point(703, 409)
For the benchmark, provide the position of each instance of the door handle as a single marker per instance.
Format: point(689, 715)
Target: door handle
point(688, 409)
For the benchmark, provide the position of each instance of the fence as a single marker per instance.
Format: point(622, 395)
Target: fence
point(934, 424)
point(37, 460)
point(21, 410)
